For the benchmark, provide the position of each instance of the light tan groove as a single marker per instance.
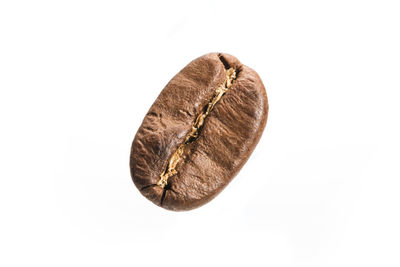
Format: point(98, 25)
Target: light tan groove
point(170, 170)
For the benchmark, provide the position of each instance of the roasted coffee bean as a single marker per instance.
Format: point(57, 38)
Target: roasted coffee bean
point(199, 132)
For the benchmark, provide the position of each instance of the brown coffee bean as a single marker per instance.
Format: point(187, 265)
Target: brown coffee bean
point(199, 132)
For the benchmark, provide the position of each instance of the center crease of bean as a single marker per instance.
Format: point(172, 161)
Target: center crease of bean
point(170, 170)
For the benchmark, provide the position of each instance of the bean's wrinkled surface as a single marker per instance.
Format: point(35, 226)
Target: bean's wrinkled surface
point(199, 132)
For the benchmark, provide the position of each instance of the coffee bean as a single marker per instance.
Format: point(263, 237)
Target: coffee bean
point(199, 132)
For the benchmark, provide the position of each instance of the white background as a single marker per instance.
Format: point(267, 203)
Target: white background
point(321, 189)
